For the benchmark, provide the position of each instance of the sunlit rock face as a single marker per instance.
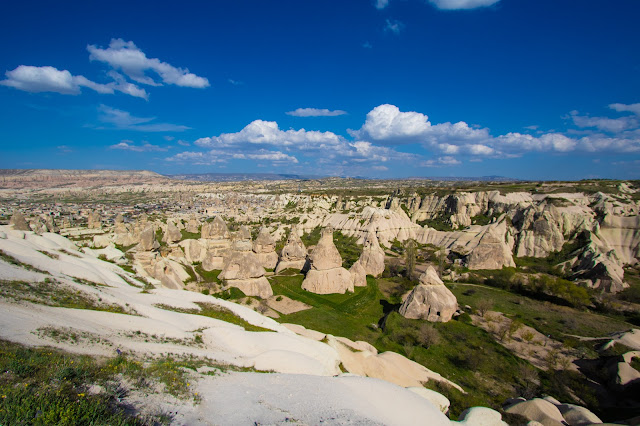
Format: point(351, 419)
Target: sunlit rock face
point(326, 274)
point(430, 300)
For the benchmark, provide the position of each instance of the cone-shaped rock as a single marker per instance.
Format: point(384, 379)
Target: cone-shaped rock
point(94, 221)
point(430, 300)
point(193, 226)
point(327, 275)
point(243, 270)
point(490, 253)
point(265, 248)
point(19, 222)
point(294, 253)
point(215, 230)
point(148, 240)
point(358, 274)
point(172, 233)
point(372, 257)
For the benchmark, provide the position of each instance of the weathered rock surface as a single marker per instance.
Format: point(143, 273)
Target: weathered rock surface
point(294, 253)
point(538, 410)
point(490, 253)
point(172, 233)
point(148, 240)
point(326, 274)
point(430, 300)
point(19, 222)
point(243, 270)
point(358, 274)
point(372, 257)
point(265, 248)
point(215, 230)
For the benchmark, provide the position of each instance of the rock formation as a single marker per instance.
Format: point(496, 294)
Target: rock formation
point(265, 248)
point(490, 253)
point(326, 274)
point(372, 257)
point(358, 274)
point(193, 226)
point(94, 221)
point(19, 222)
point(294, 253)
point(148, 240)
point(243, 270)
point(430, 300)
point(172, 233)
point(216, 240)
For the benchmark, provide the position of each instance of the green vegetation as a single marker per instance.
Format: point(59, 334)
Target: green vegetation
point(560, 322)
point(46, 386)
point(439, 223)
point(218, 312)
point(312, 238)
point(348, 248)
point(186, 235)
point(13, 261)
point(53, 293)
point(208, 276)
point(548, 265)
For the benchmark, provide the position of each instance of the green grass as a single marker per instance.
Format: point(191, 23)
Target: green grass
point(549, 319)
point(208, 276)
point(348, 315)
point(52, 293)
point(218, 312)
point(13, 261)
point(46, 386)
point(186, 235)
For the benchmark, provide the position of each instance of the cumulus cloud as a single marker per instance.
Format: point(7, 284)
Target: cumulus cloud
point(50, 79)
point(127, 145)
point(462, 4)
point(613, 125)
point(316, 112)
point(441, 162)
point(634, 108)
point(124, 120)
point(393, 26)
point(126, 56)
point(260, 132)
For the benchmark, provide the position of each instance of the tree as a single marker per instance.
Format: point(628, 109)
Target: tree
point(483, 306)
point(410, 257)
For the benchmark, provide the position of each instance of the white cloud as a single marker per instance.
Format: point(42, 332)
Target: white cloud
point(235, 82)
point(222, 156)
point(380, 168)
point(315, 112)
point(124, 120)
point(367, 45)
point(386, 122)
point(634, 108)
point(64, 149)
point(441, 162)
point(462, 4)
point(50, 79)
point(127, 145)
point(127, 57)
point(260, 132)
point(394, 26)
point(183, 143)
point(381, 4)
point(613, 125)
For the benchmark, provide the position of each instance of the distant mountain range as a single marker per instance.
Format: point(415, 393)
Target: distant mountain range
point(234, 177)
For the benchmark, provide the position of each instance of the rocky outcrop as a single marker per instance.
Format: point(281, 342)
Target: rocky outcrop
point(172, 234)
point(193, 226)
point(490, 253)
point(194, 251)
point(19, 222)
point(216, 240)
point(215, 230)
point(94, 221)
point(326, 274)
point(372, 257)
point(265, 248)
point(294, 253)
point(148, 240)
point(358, 274)
point(243, 270)
point(430, 300)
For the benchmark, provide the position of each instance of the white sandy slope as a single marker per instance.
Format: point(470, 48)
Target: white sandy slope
point(305, 388)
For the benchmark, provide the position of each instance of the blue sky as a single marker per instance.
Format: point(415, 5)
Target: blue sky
point(531, 89)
